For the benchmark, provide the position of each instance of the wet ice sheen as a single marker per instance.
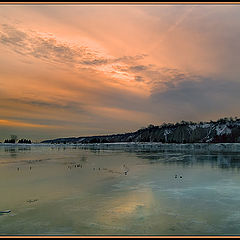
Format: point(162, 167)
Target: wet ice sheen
point(67, 190)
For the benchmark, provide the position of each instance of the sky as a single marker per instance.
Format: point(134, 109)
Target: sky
point(94, 69)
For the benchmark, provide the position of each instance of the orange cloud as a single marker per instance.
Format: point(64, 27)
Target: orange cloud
point(11, 123)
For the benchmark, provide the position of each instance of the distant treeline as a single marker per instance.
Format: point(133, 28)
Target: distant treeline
point(27, 141)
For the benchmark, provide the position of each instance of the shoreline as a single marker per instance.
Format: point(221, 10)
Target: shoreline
point(195, 147)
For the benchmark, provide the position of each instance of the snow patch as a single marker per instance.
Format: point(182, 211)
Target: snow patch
point(166, 132)
point(193, 127)
point(205, 125)
point(223, 129)
point(209, 140)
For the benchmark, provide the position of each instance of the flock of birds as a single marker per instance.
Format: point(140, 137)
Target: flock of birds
point(125, 168)
point(125, 171)
point(176, 176)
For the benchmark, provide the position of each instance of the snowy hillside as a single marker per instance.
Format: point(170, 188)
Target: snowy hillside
point(222, 131)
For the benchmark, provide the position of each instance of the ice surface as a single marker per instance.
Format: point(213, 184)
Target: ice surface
point(149, 146)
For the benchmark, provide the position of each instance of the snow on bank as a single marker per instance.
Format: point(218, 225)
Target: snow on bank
point(193, 127)
point(196, 147)
point(223, 129)
point(134, 146)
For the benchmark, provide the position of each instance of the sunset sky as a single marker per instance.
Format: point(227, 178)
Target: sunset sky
point(79, 70)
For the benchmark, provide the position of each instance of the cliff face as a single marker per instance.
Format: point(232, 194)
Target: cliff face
point(185, 132)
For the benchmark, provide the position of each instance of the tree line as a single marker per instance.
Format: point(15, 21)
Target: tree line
point(14, 139)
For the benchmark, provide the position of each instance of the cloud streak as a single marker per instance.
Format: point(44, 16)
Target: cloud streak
point(4, 122)
point(47, 48)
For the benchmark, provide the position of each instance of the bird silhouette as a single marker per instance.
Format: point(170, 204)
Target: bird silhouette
point(125, 169)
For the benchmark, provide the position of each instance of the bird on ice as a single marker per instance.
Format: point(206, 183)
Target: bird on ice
point(125, 169)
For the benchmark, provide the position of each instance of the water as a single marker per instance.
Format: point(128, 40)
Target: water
point(61, 191)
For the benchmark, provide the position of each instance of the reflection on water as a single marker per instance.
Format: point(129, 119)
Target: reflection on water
point(16, 148)
point(66, 190)
point(221, 160)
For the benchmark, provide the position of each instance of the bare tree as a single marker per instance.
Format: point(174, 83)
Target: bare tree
point(14, 138)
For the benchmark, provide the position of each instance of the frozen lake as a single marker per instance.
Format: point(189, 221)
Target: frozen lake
point(67, 190)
